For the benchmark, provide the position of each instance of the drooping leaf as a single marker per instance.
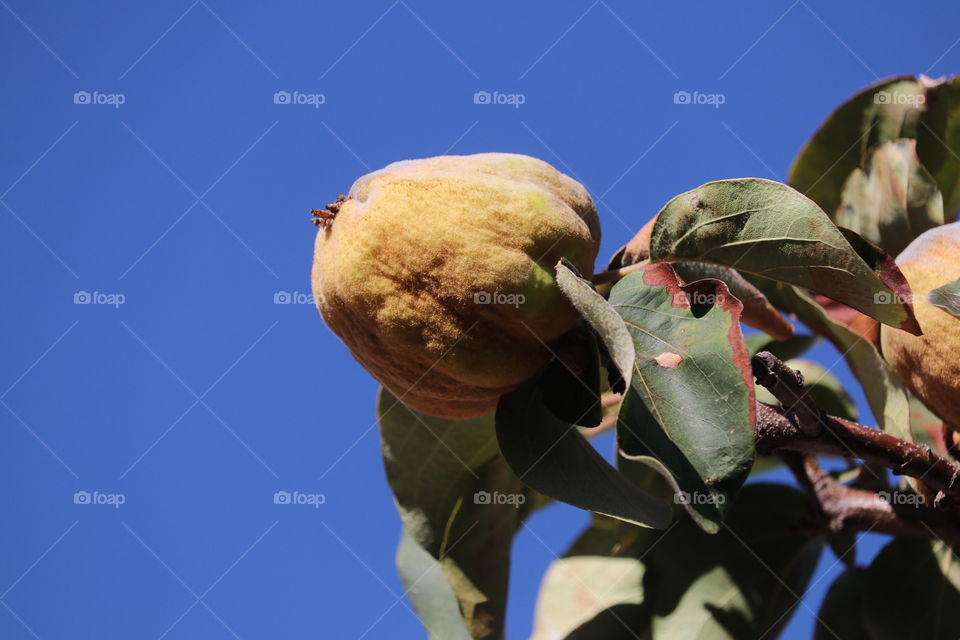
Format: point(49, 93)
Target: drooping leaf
point(885, 393)
point(783, 349)
point(913, 592)
point(429, 592)
point(453, 512)
point(938, 140)
point(840, 616)
point(844, 545)
point(689, 411)
point(771, 230)
point(883, 111)
point(824, 388)
point(552, 457)
point(741, 583)
point(947, 297)
point(571, 382)
point(892, 199)
point(600, 315)
point(596, 589)
point(757, 310)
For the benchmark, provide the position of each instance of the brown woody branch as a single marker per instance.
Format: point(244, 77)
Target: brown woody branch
point(798, 430)
point(842, 509)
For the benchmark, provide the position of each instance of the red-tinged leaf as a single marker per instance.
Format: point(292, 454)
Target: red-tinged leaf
point(757, 310)
point(769, 229)
point(689, 411)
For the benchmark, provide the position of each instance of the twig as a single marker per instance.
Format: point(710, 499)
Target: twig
point(844, 509)
point(779, 431)
point(799, 430)
point(787, 386)
point(606, 277)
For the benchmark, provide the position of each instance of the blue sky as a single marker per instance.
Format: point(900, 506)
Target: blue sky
point(148, 164)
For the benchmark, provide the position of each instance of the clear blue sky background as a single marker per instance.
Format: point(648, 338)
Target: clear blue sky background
point(199, 397)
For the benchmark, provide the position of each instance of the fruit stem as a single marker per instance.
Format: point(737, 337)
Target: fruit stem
point(613, 275)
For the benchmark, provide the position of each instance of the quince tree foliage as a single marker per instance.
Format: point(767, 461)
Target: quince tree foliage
point(467, 286)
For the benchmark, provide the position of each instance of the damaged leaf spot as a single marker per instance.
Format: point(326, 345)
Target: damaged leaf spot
point(668, 360)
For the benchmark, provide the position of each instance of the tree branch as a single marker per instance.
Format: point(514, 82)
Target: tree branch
point(787, 386)
point(798, 430)
point(843, 509)
point(780, 429)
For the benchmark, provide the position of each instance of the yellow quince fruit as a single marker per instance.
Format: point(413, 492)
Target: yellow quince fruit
point(438, 274)
point(929, 364)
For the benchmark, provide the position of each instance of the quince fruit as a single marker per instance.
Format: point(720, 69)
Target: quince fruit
point(438, 274)
point(929, 364)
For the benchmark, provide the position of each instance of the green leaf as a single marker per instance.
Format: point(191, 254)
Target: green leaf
point(600, 315)
point(947, 297)
point(844, 545)
point(840, 616)
point(771, 230)
point(824, 388)
point(571, 382)
point(429, 592)
point(595, 590)
point(938, 140)
point(912, 592)
point(741, 583)
point(444, 512)
point(885, 393)
point(783, 349)
point(883, 111)
point(689, 411)
point(892, 199)
point(552, 457)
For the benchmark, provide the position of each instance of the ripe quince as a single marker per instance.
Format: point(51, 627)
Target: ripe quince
point(438, 274)
point(929, 364)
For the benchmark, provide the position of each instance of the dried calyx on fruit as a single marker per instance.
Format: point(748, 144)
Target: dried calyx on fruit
point(438, 274)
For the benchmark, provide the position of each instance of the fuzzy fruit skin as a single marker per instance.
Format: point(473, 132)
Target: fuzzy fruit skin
point(930, 364)
point(396, 273)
